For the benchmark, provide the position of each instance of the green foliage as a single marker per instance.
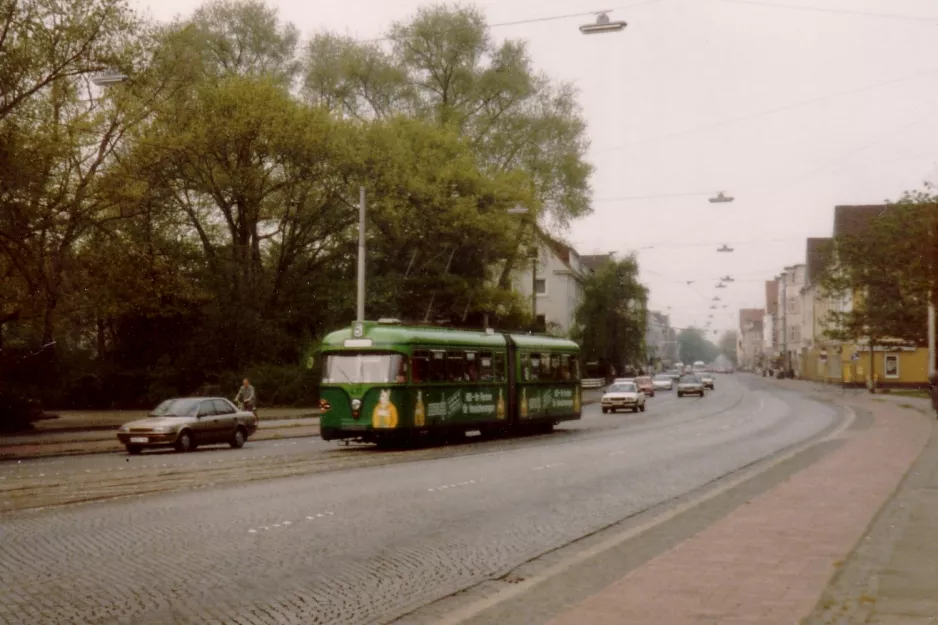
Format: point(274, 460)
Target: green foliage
point(446, 68)
point(199, 221)
point(727, 345)
point(886, 270)
point(610, 322)
point(693, 346)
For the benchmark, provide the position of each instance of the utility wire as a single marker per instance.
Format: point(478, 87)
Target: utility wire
point(532, 20)
point(796, 7)
point(773, 111)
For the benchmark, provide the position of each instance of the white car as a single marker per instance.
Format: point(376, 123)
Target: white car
point(663, 382)
point(624, 381)
point(625, 396)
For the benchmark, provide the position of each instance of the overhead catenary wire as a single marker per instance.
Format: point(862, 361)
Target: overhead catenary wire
point(801, 7)
point(772, 111)
point(532, 20)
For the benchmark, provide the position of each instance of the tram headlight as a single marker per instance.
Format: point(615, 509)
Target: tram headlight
point(356, 404)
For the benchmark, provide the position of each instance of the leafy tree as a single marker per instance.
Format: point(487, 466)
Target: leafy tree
point(446, 68)
point(246, 38)
point(610, 322)
point(887, 269)
point(727, 345)
point(693, 346)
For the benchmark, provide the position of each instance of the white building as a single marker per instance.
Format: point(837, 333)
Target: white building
point(558, 283)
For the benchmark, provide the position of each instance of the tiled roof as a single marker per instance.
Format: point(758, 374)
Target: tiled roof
point(771, 297)
point(817, 256)
point(854, 220)
point(750, 315)
point(592, 262)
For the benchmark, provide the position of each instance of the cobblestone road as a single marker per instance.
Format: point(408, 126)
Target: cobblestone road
point(367, 544)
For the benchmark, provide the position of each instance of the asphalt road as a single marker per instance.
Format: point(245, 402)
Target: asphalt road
point(356, 535)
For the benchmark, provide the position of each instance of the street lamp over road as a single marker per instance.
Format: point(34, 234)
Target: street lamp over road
point(603, 25)
point(108, 78)
point(721, 198)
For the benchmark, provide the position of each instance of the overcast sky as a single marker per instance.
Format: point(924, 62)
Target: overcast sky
point(789, 110)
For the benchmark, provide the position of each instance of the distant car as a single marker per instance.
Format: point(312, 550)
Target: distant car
point(663, 382)
point(187, 422)
point(690, 385)
point(675, 375)
point(645, 385)
point(625, 396)
point(707, 380)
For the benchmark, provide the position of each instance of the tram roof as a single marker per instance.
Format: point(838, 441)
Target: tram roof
point(381, 335)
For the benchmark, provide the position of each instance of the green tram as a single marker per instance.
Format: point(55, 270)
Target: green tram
point(386, 383)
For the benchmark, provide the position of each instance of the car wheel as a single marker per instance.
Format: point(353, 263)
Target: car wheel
point(184, 442)
point(134, 450)
point(680, 394)
point(605, 410)
point(238, 438)
point(642, 408)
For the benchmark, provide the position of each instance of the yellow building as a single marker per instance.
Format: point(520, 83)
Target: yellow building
point(894, 366)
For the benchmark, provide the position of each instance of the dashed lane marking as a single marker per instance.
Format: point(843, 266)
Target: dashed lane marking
point(456, 485)
point(548, 466)
point(285, 524)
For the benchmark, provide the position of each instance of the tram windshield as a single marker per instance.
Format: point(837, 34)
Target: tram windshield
point(365, 368)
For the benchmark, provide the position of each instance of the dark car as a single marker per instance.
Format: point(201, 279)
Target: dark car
point(187, 422)
point(690, 385)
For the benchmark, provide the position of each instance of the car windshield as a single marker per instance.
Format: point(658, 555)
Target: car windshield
point(663, 377)
point(176, 408)
point(690, 379)
point(623, 388)
point(365, 368)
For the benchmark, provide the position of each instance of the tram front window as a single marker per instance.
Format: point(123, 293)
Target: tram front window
point(365, 369)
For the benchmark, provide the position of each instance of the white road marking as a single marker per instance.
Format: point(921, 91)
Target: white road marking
point(548, 466)
point(617, 453)
point(457, 485)
point(285, 524)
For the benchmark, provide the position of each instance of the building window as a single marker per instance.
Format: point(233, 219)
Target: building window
point(891, 366)
point(540, 286)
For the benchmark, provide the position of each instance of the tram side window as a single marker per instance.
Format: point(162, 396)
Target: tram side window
point(420, 367)
point(525, 362)
point(455, 366)
point(575, 367)
point(472, 367)
point(566, 373)
point(498, 366)
point(536, 367)
point(486, 367)
point(555, 373)
point(438, 367)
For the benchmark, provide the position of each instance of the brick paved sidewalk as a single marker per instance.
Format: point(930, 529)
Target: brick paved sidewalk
point(769, 561)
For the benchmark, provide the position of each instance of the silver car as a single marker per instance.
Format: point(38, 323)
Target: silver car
point(690, 385)
point(626, 396)
point(663, 382)
point(187, 422)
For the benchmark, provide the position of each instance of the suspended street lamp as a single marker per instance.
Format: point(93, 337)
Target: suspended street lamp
point(108, 78)
point(603, 25)
point(721, 198)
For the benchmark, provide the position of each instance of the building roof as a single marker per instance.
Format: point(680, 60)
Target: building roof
point(817, 257)
point(771, 297)
point(750, 315)
point(853, 220)
point(592, 262)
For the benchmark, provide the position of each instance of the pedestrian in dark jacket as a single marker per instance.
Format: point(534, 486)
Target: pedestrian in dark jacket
point(933, 384)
